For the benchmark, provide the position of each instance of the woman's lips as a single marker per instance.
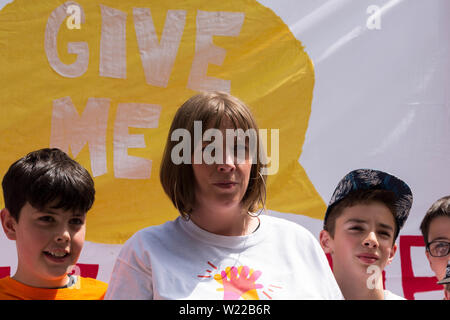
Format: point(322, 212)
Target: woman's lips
point(225, 184)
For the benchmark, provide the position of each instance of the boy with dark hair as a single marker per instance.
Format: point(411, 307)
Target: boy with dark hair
point(47, 195)
point(362, 221)
point(435, 229)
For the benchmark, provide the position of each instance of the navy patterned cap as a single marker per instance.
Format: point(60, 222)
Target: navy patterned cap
point(365, 179)
point(447, 275)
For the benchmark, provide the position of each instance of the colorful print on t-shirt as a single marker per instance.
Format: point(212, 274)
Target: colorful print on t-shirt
point(239, 282)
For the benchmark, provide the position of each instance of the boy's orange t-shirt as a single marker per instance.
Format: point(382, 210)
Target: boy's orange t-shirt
point(83, 289)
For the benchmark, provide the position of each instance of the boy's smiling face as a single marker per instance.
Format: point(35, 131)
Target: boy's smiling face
point(49, 243)
point(363, 236)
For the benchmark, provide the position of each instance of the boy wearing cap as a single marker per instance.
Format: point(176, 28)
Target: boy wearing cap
point(435, 229)
point(362, 221)
point(47, 195)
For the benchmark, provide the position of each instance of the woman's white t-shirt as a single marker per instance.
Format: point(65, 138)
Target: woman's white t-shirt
point(179, 260)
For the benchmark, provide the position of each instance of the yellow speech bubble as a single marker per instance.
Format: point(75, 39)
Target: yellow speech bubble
point(103, 79)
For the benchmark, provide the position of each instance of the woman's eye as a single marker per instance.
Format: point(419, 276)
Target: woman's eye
point(241, 146)
point(241, 149)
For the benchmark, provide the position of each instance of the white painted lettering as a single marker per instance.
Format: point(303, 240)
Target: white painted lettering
point(137, 115)
point(81, 49)
point(210, 24)
point(113, 51)
point(69, 130)
point(158, 57)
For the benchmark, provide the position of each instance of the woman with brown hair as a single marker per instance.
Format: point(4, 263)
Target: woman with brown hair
point(220, 247)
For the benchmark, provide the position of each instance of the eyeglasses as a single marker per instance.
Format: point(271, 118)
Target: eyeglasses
point(438, 248)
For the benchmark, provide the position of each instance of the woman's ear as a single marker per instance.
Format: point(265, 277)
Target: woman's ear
point(9, 224)
point(326, 241)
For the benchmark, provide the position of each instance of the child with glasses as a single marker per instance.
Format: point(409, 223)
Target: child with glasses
point(435, 229)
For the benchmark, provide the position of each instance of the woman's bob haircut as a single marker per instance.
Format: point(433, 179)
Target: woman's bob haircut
point(211, 108)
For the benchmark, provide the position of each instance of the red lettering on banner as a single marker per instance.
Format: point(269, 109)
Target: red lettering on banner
point(86, 270)
point(5, 272)
point(410, 283)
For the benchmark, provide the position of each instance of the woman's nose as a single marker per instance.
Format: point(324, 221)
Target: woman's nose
point(228, 161)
